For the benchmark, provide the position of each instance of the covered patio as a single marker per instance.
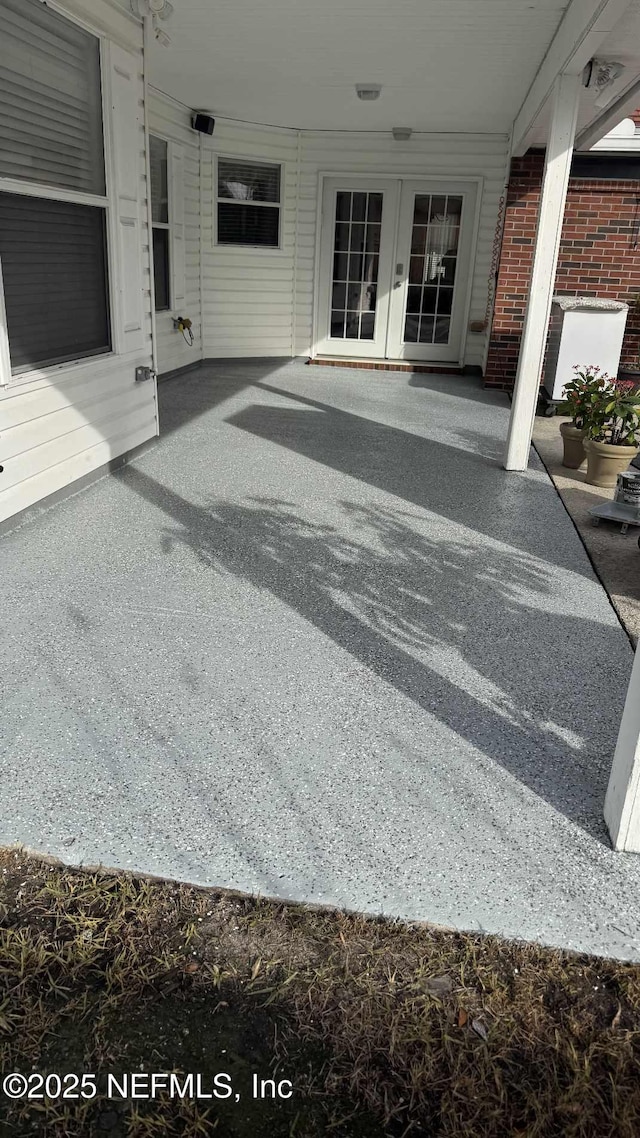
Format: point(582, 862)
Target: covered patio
point(315, 644)
point(332, 638)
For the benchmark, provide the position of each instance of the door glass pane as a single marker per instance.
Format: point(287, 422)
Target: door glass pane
point(372, 238)
point(342, 237)
point(435, 238)
point(359, 211)
point(356, 253)
point(339, 298)
point(340, 266)
point(337, 325)
point(343, 206)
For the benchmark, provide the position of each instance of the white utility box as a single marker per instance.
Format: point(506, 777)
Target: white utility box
point(582, 330)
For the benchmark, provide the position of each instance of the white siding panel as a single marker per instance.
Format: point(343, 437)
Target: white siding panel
point(171, 121)
point(59, 424)
point(249, 293)
point(41, 484)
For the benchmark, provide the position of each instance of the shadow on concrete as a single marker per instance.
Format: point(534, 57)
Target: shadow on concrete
point(186, 397)
point(463, 389)
point(459, 634)
point(465, 484)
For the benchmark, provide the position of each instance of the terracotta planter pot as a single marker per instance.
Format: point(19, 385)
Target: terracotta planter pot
point(605, 462)
point(573, 439)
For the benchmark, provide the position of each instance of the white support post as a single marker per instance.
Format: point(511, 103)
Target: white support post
point(622, 802)
point(566, 99)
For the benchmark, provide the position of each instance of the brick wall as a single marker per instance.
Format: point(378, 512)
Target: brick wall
point(599, 256)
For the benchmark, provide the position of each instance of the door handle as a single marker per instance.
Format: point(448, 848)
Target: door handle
point(399, 273)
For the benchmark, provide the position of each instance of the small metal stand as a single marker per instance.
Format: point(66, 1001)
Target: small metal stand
point(625, 507)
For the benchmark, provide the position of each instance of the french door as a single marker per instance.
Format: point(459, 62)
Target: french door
point(395, 259)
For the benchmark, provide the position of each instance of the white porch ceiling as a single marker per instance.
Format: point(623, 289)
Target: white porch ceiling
point(444, 65)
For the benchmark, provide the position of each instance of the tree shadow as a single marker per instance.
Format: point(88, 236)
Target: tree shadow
point(461, 634)
point(463, 483)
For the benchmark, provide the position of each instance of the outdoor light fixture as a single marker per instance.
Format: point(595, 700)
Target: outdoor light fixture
point(368, 91)
point(154, 10)
point(401, 133)
point(602, 75)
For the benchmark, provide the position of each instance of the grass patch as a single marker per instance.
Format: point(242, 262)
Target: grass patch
point(383, 1028)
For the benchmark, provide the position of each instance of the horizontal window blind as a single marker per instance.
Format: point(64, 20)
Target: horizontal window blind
point(248, 225)
point(54, 269)
point(161, 269)
point(248, 181)
point(158, 165)
point(51, 121)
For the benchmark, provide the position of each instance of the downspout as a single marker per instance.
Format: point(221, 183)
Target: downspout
point(146, 33)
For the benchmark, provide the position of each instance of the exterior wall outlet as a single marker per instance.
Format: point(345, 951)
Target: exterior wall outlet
point(143, 373)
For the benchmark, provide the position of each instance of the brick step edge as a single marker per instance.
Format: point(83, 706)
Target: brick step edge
point(377, 365)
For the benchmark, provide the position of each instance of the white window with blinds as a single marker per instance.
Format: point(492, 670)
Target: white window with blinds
point(159, 172)
point(53, 189)
point(249, 203)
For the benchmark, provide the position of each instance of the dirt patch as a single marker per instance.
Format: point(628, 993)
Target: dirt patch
point(382, 1028)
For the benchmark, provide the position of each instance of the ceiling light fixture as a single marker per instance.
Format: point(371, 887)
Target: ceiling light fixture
point(368, 91)
point(401, 133)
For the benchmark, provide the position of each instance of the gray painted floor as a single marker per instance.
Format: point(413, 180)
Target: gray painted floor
point(319, 645)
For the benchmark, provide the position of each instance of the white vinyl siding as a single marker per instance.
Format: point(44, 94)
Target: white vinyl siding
point(61, 423)
point(248, 292)
point(170, 121)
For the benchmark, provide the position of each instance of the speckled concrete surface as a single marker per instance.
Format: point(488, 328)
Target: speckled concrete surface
point(615, 555)
point(319, 645)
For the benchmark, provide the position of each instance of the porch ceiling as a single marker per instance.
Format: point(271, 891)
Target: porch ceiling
point(445, 65)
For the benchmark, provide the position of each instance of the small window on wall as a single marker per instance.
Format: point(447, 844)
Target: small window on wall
point(248, 203)
point(159, 164)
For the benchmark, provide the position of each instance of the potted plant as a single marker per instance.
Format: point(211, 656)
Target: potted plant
point(612, 422)
point(632, 374)
point(587, 382)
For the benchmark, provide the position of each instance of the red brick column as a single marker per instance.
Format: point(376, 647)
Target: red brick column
point(599, 256)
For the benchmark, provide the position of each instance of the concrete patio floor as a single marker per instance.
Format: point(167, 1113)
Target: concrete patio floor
point(317, 644)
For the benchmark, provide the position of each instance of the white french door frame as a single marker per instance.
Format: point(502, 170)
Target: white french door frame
point(473, 183)
point(389, 187)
